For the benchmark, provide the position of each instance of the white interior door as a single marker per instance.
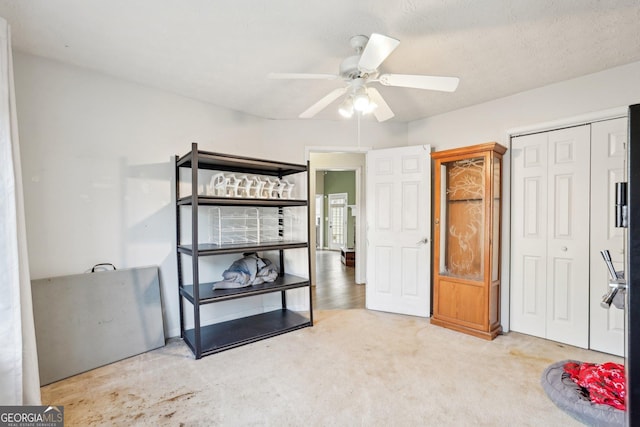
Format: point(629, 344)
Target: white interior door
point(608, 166)
point(337, 220)
point(398, 187)
point(550, 237)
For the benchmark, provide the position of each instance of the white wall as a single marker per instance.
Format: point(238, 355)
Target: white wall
point(98, 172)
point(490, 121)
point(563, 103)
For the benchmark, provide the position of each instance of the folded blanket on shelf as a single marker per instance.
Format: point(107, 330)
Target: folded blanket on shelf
point(247, 271)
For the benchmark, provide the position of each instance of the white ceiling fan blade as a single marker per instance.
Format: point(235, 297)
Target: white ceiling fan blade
point(304, 76)
point(445, 84)
point(377, 50)
point(323, 103)
point(382, 110)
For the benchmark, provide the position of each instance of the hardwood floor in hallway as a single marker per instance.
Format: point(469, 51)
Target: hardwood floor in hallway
point(335, 284)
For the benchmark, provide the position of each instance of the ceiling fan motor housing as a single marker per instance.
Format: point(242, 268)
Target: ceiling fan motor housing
point(349, 68)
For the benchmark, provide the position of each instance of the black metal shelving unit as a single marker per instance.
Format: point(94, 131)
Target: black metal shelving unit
point(208, 339)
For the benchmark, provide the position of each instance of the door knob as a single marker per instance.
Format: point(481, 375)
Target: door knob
point(423, 241)
point(563, 249)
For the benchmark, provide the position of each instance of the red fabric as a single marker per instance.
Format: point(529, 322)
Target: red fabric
point(604, 382)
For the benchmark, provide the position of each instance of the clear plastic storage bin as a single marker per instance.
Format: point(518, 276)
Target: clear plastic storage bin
point(229, 225)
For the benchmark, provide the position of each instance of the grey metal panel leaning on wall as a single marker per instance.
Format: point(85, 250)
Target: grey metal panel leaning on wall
point(84, 321)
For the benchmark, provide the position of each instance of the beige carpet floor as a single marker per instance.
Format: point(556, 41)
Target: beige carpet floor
point(353, 368)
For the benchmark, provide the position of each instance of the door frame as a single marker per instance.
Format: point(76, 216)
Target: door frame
point(360, 273)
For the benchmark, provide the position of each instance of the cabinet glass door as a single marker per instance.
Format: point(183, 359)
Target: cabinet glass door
point(462, 218)
point(497, 205)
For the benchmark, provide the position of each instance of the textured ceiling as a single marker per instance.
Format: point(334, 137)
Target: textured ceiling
point(221, 51)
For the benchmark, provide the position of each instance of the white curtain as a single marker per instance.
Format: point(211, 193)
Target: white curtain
point(19, 379)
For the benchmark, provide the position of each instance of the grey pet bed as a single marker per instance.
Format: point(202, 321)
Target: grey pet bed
point(570, 397)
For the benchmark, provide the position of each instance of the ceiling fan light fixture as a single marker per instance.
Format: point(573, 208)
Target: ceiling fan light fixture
point(361, 101)
point(370, 107)
point(346, 108)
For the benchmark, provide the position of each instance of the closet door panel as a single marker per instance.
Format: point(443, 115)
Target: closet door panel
point(563, 193)
point(608, 166)
point(568, 236)
point(529, 234)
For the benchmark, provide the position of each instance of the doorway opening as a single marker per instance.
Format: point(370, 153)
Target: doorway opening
point(397, 180)
point(337, 226)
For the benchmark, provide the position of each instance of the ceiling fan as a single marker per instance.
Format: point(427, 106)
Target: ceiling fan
point(359, 71)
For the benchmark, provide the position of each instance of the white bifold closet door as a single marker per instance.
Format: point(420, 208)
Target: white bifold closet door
point(550, 235)
point(608, 166)
point(563, 192)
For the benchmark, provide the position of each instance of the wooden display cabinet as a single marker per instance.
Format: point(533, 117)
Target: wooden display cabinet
point(468, 194)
